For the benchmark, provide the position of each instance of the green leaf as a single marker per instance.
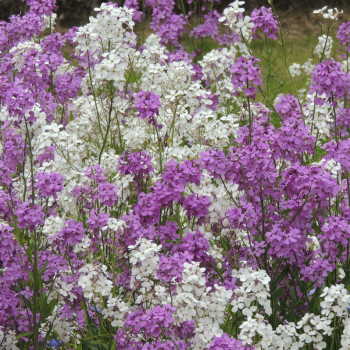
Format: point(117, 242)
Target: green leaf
point(313, 304)
point(24, 335)
point(279, 278)
point(346, 279)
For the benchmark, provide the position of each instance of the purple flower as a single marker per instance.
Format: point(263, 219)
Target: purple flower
point(29, 216)
point(170, 268)
point(224, 342)
point(263, 19)
point(343, 35)
point(246, 74)
point(72, 233)
point(209, 27)
point(107, 194)
point(328, 78)
point(147, 104)
point(135, 163)
point(196, 206)
point(48, 184)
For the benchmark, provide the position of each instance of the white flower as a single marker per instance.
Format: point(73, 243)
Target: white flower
point(330, 13)
point(324, 46)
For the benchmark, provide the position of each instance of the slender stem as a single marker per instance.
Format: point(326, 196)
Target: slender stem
point(108, 127)
point(335, 119)
point(35, 252)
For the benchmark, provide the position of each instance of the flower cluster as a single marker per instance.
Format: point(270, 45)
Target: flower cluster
point(246, 75)
point(263, 19)
point(148, 201)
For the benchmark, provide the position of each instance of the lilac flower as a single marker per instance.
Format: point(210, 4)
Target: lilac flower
point(29, 216)
point(328, 78)
point(246, 74)
point(168, 25)
point(97, 220)
point(135, 163)
point(343, 35)
point(107, 194)
point(147, 104)
point(96, 173)
point(72, 233)
point(47, 154)
point(48, 184)
point(151, 323)
point(196, 206)
point(170, 268)
point(263, 19)
point(214, 161)
point(225, 342)
point(209, 27)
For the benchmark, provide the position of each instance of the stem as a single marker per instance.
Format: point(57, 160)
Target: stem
point(335, 119)
point(250, 119)
point(35, 263)
point(108, 127)
point(285, 60)
point(333, 335)
point(160, 149)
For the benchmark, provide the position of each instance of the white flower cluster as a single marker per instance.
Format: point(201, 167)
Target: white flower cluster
point(257, 326)
point(313, 329)
point(144, 259)
point(324, 46)
point(8, 340)
point(319, 117)
point(345, 339)
point(112, 26)
point(115, 311)
point(65, 329)
point(194, 301)
point(255, 288)
point(336, 301)
point(234, 19)
point(94, 282)
point(332, 14)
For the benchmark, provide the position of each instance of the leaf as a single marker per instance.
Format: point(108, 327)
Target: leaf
point(279, 278)
point(24, 335)
point(346, 279)
point(313, 304)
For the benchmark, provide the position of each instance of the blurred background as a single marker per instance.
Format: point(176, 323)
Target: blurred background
point(77, 12)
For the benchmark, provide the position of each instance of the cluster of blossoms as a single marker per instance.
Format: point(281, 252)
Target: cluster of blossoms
point(246, 74)
point(329, 79)
point(343, 34)
point(147, 201)
point(263, 19)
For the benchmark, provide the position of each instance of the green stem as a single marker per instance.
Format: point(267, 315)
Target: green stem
point(108, 126)
point(35, 252)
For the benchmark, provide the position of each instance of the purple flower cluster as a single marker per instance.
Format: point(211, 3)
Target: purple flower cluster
point(246, 75)
point(147, 104)
point(29, 216)
point(135, 163)
point(343, 34)
point(48, 184)
point(329, 79)
point(209, 27)
point(264, 19)
point(225, 342)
